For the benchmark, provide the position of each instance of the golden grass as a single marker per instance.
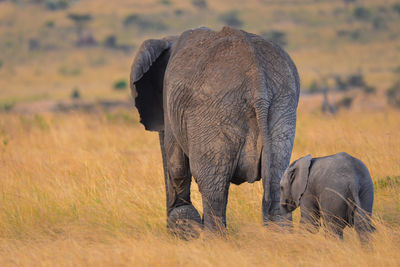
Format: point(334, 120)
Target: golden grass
point(88, 189)
point(79, 189)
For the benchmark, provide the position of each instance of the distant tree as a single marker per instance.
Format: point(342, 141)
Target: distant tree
point(232, 19)
point(110, 41)
point(326, 106)
point(356, 80)
point(80, 21)
point(361, 13)
point(57, 4)
point(340, 83)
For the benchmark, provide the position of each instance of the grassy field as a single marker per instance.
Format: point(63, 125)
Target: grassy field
point(87, 189)
point(81, 189)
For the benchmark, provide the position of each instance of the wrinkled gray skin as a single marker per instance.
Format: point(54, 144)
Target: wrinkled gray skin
point(224, 104)
point(336, 188)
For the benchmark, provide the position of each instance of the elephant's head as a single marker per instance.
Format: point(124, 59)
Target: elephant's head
point(147, 78)
point(294, 183)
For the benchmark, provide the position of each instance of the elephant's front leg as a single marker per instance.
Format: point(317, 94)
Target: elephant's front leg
point(183, 218)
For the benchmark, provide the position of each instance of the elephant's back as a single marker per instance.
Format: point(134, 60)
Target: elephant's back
point(211, 74)
point(211, 64)
point(342, 172)
point(210, 82)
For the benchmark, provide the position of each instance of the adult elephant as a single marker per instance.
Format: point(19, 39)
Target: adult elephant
point(224, 104)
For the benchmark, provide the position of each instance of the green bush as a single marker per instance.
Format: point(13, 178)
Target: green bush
point(352, 34)
point(231, 18)
point(110, 41)
point(120, 85)
point(121, 117)
point(314, 87)
point(79, 18)
point(178, 12)
point(356, 80)
point(396, 8)
point(340, 83)
point(396, 69)
point(75, 94)
point(69, 71)
point(41, 122)
point(1, 63)
point(7, 106)
point(367, 89)
point(144, 23)
point(387, 182)
point(393, 95)
point(165, 2)
point(361, 13)
point(49, 24)
point(345, 102)
point(275, 36)
point(199, 3)
point(57, 4)
point(378, 23)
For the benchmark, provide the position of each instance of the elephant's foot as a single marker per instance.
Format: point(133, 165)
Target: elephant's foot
point(185, 222)
point(274, 216)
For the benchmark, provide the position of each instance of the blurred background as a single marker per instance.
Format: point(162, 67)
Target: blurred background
point(82, 182)
point(58, 55)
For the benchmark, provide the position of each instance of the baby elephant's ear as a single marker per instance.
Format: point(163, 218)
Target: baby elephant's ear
point(301, 170)
point(147, 78)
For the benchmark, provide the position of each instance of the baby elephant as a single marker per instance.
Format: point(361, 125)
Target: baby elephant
point(336, 188)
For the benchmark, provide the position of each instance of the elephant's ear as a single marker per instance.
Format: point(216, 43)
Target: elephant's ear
point(300, 170)
point(146, 81)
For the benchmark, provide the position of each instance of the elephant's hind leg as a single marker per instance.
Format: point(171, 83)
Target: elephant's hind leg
point(214, 188)
point(212, 168)
point(183, 218)
point(278, 127)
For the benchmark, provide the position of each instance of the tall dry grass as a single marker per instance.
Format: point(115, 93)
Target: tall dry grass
point(80, 189)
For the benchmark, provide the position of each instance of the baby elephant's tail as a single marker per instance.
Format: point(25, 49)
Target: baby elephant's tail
point(362, 217)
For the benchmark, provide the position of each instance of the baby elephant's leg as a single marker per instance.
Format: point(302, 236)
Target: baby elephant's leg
point(335, 225)
point(310, 215)
point(334, 212)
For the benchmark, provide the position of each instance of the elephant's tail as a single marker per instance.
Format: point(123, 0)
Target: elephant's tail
point(362, 218)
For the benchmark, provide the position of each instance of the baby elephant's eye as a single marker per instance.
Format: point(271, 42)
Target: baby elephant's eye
point(281, 188)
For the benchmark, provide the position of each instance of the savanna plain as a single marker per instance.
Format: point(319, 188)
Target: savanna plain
point(86, 187)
